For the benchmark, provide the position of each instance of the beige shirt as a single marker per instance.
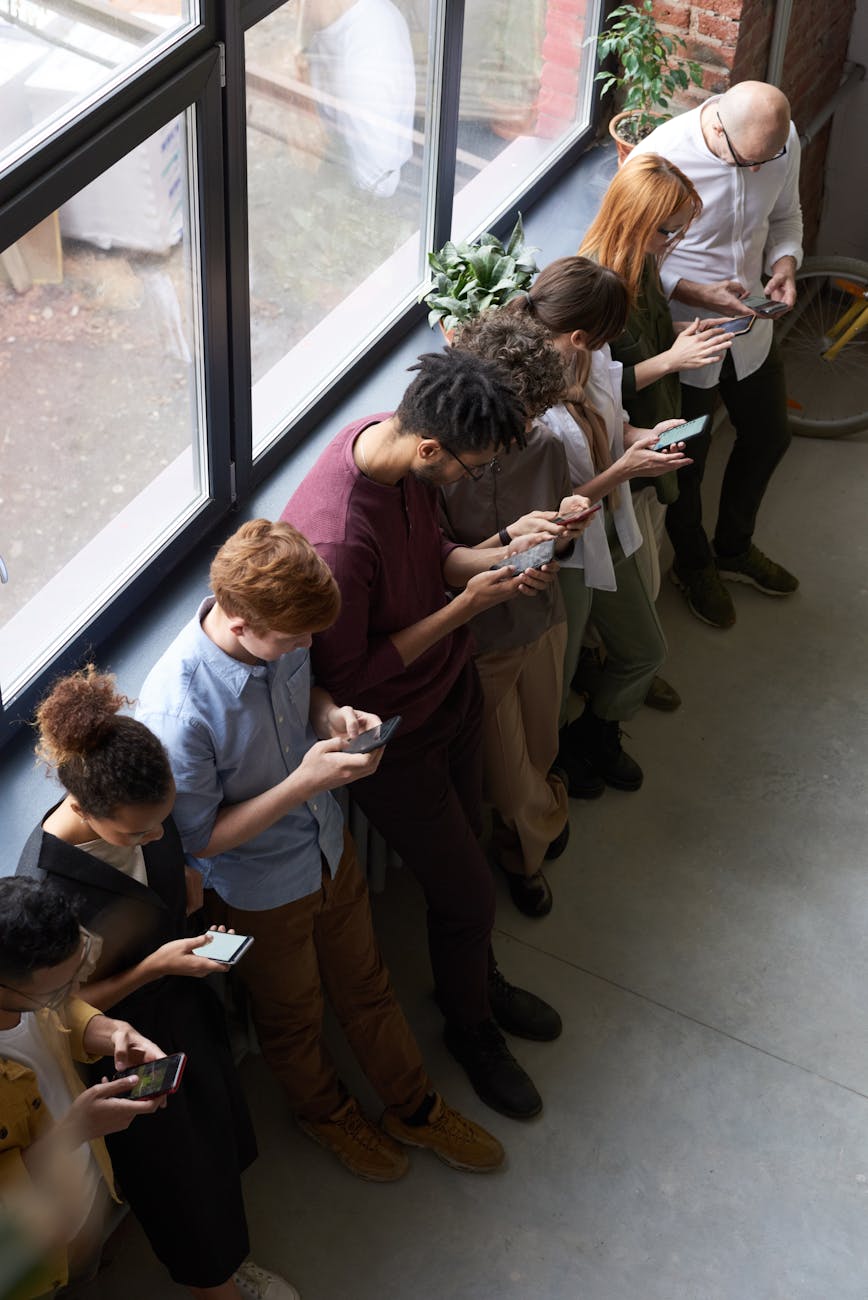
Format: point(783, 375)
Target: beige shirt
point(537, 478)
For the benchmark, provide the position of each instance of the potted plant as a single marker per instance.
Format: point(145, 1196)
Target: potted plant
point(468, 278)
point(649, 72)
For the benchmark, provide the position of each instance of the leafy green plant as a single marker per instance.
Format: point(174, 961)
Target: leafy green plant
point(470, 277)
point(650, 71)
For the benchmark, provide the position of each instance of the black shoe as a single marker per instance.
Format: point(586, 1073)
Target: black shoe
point(558, 844)
point(600, 742)
point(520, 1012)
point(581, 780)
point(662, 696)
point(532, 895)
point(491, 1067)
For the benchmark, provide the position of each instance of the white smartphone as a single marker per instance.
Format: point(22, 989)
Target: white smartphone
point(228, 948)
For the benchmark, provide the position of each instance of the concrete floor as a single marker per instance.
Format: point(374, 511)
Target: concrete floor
point(705, 1132)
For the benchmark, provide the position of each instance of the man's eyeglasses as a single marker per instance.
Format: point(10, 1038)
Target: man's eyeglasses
point(56, 998)
point(476, 472)
point(743, 162)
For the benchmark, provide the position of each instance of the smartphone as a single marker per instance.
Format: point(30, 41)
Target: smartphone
point(764, 306)
point(533, 558)
point(228, 948)
point(684, 432)
point(577, 519)
point(374, 737)
point(156, 1078)
point(739, 325)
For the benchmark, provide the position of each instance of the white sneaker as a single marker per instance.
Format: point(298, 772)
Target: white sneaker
point(257, 1283)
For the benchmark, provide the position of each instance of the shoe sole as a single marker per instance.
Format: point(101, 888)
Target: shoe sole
point(682, 586)
point(448, 1160)
point(357, 1173)
point(628, 787)
point(727, 576)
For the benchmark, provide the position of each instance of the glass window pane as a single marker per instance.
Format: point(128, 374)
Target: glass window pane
point(102, 454)
point(337, 129)
point(56, 55)
point(526, 84)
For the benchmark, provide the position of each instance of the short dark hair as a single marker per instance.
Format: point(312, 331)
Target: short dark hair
point(465, 402)
point(523, 345)
point(38, 927)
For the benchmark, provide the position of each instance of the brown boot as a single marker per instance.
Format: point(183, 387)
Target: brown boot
point(361, 1146)
point(453, 1139)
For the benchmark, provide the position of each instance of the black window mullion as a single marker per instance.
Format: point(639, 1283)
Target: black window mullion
point(447, 126)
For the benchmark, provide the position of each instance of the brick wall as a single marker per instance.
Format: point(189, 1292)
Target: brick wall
point(730, 39)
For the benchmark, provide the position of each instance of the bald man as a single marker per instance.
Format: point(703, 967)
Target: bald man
point(741, 151)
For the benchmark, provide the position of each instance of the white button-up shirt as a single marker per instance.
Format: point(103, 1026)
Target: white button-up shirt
point(748, 221)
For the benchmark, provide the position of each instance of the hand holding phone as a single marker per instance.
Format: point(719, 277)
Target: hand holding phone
point(569, 520)
point(764, 306)
point(367, 741)
point(533, 558)
point(228, 948)
point(155, 1078)
point(683, 433)
point(738, 325)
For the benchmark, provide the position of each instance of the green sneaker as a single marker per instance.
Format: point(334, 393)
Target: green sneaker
point(757, 569)
point(706, 595)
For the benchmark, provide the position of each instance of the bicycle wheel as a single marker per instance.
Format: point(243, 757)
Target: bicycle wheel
point(827, 397)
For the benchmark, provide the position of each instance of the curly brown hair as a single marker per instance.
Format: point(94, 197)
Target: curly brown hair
point(103, 758)
point(523, 346)
point(270, 575)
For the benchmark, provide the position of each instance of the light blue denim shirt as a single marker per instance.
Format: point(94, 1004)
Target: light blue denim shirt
point(234, 730)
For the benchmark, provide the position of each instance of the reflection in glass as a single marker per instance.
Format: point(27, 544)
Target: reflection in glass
point(526, 79)
point(54, 55)
point(101, 451)
point(336, 117)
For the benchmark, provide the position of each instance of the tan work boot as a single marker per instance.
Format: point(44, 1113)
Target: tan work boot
point(359, 1145)
point(453, 1139)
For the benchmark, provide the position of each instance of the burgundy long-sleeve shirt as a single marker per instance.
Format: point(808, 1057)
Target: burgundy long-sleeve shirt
point(384, 545)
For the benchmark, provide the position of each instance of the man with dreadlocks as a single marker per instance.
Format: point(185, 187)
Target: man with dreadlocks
point(400, 646)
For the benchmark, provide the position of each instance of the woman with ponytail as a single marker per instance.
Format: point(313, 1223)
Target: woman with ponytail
point(111, 846)
point(584, 306)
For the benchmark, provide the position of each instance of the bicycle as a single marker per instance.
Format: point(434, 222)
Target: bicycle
point(824, 343)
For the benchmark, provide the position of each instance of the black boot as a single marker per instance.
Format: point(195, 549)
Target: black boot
point(581, 780)
point(491, 1067)
point(520, 1012)
point(599, 741)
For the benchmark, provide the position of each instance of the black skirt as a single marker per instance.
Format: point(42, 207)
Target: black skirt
point(180, 1168)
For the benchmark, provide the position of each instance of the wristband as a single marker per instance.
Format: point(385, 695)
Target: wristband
point(504, 536)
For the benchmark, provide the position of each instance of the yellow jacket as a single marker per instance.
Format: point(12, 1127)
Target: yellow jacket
point(24, 1119)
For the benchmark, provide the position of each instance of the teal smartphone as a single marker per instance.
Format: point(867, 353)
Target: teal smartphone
point(683, 433)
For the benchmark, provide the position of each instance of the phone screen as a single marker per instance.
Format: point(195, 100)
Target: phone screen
point(764, 306)
point(683, 433)
point(374, 738)
point(224, 947)
point(532, 558)
point(740, 325)
point(155, 1077)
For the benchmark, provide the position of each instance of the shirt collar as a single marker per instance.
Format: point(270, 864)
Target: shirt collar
point(234, 672)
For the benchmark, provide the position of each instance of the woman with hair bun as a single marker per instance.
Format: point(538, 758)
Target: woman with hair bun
point(111, 846)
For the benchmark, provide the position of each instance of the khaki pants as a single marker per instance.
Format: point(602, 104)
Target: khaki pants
point(325, 943)
point(522, 690)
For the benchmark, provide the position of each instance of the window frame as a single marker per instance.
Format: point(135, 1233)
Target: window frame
point(206, 66)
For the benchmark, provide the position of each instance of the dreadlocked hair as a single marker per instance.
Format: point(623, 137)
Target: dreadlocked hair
point(38, 927)
point(467, 403)
point(103, 758)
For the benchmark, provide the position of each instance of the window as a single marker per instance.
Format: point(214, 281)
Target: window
point(205, 234)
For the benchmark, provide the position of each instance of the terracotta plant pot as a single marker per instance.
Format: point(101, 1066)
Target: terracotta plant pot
point(626, 147)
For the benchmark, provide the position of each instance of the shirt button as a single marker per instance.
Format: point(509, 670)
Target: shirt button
point(37, 1102)
point(4, 1133)
point(286, 749)
point(313, 806)
point(280, 718)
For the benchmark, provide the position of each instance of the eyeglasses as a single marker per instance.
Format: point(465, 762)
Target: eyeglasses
point(742, 162)
point(671, 235)
point(476, 472)
point(57, 997)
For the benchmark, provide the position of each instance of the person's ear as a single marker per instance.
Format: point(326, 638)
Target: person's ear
point(428, 449)
point(579, 339)
point(76, 809)
point(237, 626)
